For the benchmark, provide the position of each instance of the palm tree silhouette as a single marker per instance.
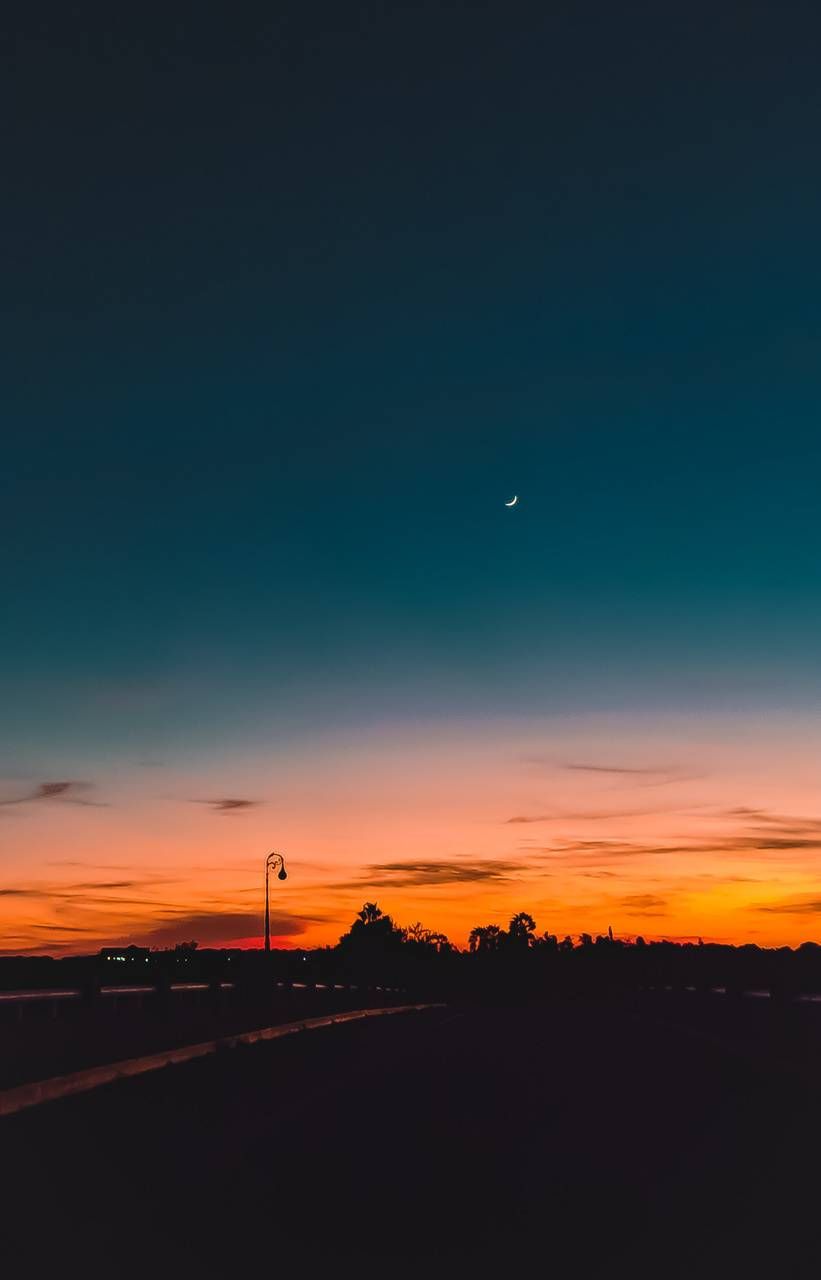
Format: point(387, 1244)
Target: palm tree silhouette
point(485, 938)
point(521, 929)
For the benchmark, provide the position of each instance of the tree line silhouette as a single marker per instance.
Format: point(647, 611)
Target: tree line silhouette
point(520, 961)
point(498, 963)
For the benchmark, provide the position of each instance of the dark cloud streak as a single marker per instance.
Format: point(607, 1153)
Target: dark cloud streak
point(215, 927)
point(229, 804)
point(810, 907)
point(399, 874)
point(644, 904)
point(583, 767)
point(67, 792)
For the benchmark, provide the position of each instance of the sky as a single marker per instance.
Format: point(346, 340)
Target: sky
point(295, 299)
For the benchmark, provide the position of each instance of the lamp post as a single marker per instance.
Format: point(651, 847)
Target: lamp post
point(270, 862)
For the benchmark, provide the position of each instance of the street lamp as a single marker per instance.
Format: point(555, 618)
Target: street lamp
point(270, 862)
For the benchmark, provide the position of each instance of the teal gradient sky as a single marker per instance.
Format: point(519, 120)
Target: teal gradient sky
point(294, 302)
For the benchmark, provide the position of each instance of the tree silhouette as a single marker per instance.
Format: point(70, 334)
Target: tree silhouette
point(421, 937)
point(372, 935)
point(521, 929)
point(487, 937)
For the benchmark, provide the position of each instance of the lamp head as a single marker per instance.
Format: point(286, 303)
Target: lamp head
point(282, 874)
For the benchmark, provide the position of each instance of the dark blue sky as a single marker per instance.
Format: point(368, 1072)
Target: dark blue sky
point(296, 297)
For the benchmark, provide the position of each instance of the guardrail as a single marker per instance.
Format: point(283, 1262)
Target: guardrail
point(61, 997)
point(745, 993)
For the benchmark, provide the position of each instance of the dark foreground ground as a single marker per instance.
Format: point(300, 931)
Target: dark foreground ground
point(623, 1139)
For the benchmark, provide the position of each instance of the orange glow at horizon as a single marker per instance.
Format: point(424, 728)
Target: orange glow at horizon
point(664, 826)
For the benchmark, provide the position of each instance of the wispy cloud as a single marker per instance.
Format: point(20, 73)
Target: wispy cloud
point(592, 815)
point(84, 891)
point(638, 775)
point(777, 824)
point(94, 866)
point(63, 928)
point(54, 948)
point(94, 885)
point(230, 804)
point(595, 852)
point(644, 904)
point(66, 792)
point(796, 907)
point(585, 767)
point(756, 834)
point(384, 874)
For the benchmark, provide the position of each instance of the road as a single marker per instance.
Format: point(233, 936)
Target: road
point(584, 1137)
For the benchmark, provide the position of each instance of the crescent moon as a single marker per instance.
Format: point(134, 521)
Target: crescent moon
point(513, 501)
